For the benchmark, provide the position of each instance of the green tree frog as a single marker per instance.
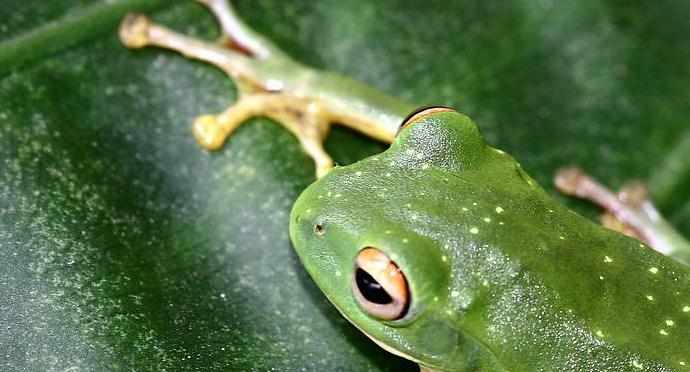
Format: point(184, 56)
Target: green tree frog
point(442, 249)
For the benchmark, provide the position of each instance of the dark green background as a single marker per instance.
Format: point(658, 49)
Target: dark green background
point(123, 246)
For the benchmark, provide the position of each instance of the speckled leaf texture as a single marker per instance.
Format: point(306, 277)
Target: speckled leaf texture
point(124, 247)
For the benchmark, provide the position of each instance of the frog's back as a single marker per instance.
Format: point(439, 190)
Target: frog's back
point(547, 288)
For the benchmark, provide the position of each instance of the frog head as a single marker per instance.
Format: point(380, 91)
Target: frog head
point(374, 236)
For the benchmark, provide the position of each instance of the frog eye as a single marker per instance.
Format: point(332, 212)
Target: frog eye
point(379, 285)
point(422, 112)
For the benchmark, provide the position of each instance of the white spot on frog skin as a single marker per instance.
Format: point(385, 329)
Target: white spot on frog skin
point(475, 204)
point(653, 270)
point(338, 273)
point(601, 277)
point(388, 232)
point(474, 230)
point(499, 210)
point(329, 194)
point(487, 219)
point(600, 334)
point(637, 364)
point(686, 309)
point(683, 363)
point(501, 223)
point(274, 85)
point(670, 322)
point(405, 240)
point(561, 237)
point(388, 174)
point(358, 173)
point(608, 259)
point(464, 209)
point(663, 332)
point(444, 258)
point(408, 205)
point(454, 294)
point(338, 195)
point(435, 298)
point(650, 297)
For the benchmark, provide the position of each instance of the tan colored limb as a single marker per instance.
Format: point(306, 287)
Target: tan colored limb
point(138, 31)
point(629, 212)
point(234, 29)
point(313, 132)
point(303, 117)
point(426, 369)
point(635, 196)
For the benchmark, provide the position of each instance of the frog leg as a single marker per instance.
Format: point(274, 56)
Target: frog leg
point(630, 212)
point(426, 369)
point(241, 37)
point(138, 31)
point(306, 118)
point(636, 196)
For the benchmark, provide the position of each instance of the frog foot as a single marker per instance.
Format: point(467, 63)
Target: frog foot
point(246, 61)
point(301, 116)
point(629, 211)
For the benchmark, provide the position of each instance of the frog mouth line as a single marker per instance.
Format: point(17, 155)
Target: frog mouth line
point(380, 343)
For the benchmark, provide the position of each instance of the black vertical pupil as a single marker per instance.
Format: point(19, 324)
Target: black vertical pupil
point(371, 289)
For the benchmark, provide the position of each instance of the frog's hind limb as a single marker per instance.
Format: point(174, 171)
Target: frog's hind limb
point(630, 212)
point(306, 118)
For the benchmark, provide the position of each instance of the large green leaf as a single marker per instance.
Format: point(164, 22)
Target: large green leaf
point(123, 246)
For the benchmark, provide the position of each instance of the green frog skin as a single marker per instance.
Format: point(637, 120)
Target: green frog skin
point(442, 249)
point(501, 277)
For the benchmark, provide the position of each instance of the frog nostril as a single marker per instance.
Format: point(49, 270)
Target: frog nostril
point(319, 229)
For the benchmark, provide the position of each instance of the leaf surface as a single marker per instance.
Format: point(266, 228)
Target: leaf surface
point(123, 246)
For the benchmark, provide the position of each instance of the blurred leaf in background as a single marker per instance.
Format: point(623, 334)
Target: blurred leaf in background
point(123, 246)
